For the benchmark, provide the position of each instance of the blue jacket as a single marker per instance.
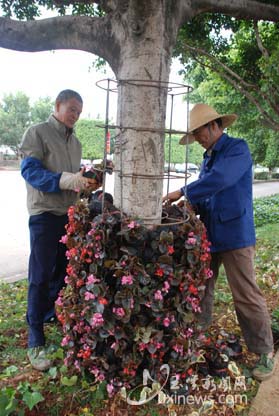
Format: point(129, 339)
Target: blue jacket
point(223, 195)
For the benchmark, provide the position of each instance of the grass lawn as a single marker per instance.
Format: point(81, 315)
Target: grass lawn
point(60, 392)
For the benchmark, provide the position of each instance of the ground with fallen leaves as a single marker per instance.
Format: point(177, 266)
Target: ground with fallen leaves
point(59, 392)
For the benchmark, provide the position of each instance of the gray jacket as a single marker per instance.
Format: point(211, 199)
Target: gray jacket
point(48, 145)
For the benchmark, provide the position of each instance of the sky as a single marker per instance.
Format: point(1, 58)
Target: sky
point(42, 74)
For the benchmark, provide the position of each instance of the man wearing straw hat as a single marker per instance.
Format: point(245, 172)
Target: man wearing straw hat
point(222, 196)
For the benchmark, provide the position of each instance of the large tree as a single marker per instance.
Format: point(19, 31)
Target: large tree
point(137, 38)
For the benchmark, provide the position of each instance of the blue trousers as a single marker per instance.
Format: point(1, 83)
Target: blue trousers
point(47, 270)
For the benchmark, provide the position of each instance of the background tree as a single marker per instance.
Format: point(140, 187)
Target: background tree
point(91, 137)
point(137, 39)
point(41, 109)
point(178, 152)
point(16, 114)
point(14, 119)
point(238, 72)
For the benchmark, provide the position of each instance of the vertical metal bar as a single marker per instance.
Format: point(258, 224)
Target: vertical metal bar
point(169, 155)
point(121, 85)
point(105, 144)
point(186, 153)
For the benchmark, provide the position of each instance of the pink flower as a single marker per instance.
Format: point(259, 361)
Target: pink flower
point(113, 345)
point(65, 341)
point(158, 295)
point(127, 280)
point(110, 390)
point(97, 320)
point(191, 241)
point(59, 301)
point(178, 348)
point(64, 239)
point(189, 332)
point(132, 224)
point(166, 286)
point(119, 312)
point(166, 322)
point(158, 345)
point(77, 365)
point(142, 346)
point(194, 303)
point(89, 296)
point(208, 273)
point(67, 280)
point(92, 279)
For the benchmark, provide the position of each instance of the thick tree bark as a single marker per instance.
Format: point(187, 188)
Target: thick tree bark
point(141, 111)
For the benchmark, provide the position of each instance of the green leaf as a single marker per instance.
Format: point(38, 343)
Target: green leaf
point(9, 371)
point(58, 354)
point(8, 403)
point(52, 372)
point(32, 398)
point(69, 381)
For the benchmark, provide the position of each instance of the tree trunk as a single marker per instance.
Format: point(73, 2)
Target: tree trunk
point(142, 95)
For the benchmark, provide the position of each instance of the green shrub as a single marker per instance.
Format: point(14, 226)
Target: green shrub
point(261, 175)
point(266, 210)
point(275, 175)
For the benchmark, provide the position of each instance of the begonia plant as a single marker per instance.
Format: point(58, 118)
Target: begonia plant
point(132, 293)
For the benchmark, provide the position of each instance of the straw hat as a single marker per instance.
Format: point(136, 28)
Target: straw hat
point(202, 114)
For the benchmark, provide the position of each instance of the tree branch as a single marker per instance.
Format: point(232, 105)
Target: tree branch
point(240, 9)
point(70, 2)
point(261, 47)
point(273, 88)
point(200, 51)
point(239, 84)
point(90, 34)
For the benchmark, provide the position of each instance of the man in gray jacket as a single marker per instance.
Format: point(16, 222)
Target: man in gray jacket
point(51, 168)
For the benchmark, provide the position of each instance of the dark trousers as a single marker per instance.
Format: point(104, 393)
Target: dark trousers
point(250, 305)
point(47, 270)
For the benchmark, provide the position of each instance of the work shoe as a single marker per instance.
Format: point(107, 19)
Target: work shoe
point(38, 358)
point(264, 368)
point(51, 320)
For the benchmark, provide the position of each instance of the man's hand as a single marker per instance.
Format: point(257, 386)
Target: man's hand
point(75, 181)
point(172, 196)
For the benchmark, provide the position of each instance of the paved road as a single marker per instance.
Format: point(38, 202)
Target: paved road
point(14, 239)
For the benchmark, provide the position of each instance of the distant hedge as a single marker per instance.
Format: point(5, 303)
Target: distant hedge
point(266, 210)
point(261, 175)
